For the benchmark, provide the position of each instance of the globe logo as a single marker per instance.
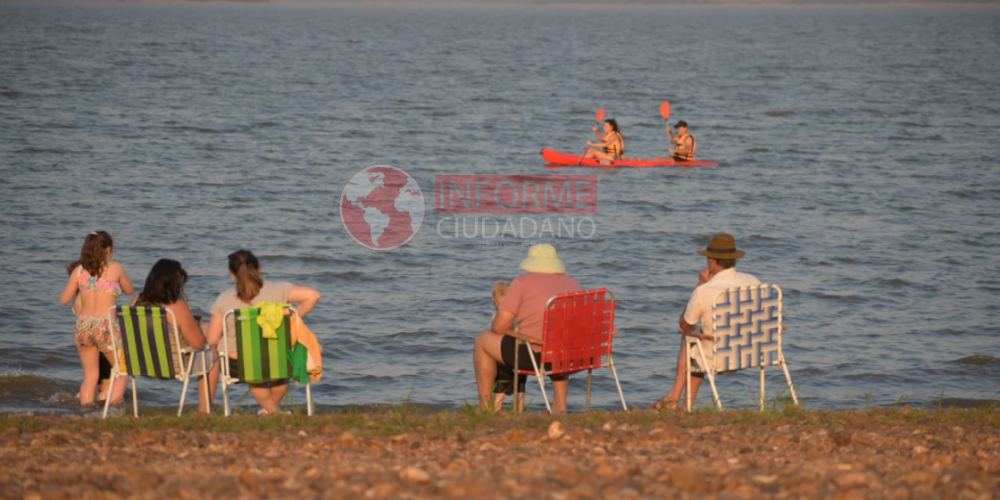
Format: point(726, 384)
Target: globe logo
point(382, 207)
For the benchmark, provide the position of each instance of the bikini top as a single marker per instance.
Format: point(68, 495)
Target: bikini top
point(88, 282)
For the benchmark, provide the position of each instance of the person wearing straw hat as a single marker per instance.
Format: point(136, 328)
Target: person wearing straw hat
point(525, 303)
point(720, 274)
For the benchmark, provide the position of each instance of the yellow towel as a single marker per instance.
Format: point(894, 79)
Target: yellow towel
point(270, 318)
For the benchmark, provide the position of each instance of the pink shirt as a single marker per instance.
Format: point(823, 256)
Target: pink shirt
point(529, 293)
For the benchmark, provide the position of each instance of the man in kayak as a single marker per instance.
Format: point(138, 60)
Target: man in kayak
point(720, 274)
point(612, 145)
point(686, 144)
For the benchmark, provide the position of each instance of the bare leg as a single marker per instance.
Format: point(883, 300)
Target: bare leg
point(600, 154)
point(117, 393)
point(498, 401)
point(485, 356)
point(265, 395)
point(89, 360)
point(673, 398)
point(561, 387)
point(278, 391)
point(105, 386)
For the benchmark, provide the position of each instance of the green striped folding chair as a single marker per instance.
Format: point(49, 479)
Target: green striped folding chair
point(258, 360)
point(152, 348)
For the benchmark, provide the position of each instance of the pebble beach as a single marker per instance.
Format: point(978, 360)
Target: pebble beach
point(403, 453)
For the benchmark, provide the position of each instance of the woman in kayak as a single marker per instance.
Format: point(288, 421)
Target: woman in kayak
point(612, 145)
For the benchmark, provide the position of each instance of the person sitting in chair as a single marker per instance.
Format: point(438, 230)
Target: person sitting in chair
point(525, 302)
point(720, 274)
point(249, 290)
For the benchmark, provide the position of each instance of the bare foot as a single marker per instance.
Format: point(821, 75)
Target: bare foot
point(665, 403)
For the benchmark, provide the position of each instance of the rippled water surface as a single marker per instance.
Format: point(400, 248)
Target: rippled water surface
point(858, 168)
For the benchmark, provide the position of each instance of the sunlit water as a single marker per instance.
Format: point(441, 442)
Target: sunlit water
point(858, 168)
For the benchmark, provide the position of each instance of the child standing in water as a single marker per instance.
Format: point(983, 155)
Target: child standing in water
point(504, 384)
point(99, 280)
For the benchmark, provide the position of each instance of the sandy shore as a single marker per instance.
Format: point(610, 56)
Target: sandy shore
point(402, 453)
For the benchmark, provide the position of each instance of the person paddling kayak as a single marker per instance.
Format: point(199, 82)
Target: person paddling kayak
point(612, 145)
point(686, 143)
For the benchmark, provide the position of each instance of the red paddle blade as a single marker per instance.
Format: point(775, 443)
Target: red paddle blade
point(665, 110)
point(600, 114)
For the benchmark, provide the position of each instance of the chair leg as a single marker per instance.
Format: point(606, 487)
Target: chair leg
point(590, 379)
point(204, 378)
point(225, 398)
point(761, 388)
point(687, 386)
point(614, 372)
point(709, 372)
point(788, 376)
point(540, 375)
point(135, 399)
point(107, 400)
point(517, 376)
point(309, 399)
point(187, 380)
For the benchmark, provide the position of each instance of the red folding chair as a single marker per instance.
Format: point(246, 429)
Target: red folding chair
point(577, 333)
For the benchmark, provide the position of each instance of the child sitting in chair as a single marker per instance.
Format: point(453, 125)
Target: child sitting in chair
point(504, 384)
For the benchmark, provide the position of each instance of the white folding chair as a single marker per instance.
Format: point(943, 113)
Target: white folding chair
point(747, 333)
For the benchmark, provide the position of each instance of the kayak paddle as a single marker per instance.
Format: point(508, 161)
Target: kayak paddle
point(599, 116)
point(665, 110)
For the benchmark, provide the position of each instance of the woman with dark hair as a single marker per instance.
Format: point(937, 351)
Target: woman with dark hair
point(612, 145)
point(250, 289)
point(165, 288)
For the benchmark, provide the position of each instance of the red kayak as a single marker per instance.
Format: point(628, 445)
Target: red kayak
point(556, 158)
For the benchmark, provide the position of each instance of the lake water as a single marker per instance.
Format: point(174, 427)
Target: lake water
point(858, 167)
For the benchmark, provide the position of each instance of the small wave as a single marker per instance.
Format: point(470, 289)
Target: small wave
point(202, 130)
point(10, 94)
point(759, 150)
point(977, 359)
point(416, 334)
point(43, 150)
point(780, 113)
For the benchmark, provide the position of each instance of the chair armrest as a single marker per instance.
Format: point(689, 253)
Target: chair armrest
point(530, 340)
point(710, 338)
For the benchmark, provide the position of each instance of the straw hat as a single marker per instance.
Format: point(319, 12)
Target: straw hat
point(722, 246)
point(542, 258)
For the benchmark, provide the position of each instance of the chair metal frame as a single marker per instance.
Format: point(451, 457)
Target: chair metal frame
point(184, 374)
point(755, 340)
point(228, 378)
point(575, 337)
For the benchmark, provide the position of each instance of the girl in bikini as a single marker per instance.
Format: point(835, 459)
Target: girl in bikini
point(99, 280)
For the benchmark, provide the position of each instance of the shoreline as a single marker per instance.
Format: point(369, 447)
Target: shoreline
point(401, 452)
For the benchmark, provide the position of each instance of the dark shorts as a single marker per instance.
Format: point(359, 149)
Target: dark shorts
point(104, 366)
point(234, 372)
point(505, 381)
point(680, 158)
point(507, 352)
